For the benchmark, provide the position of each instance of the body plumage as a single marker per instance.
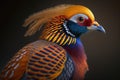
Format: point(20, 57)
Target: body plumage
point(59, 53)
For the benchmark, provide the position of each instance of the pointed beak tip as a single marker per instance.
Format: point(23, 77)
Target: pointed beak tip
point(97, 28)
point(101, 29)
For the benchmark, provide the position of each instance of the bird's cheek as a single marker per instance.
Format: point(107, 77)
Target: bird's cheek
point(80, 24)
point(87, 22)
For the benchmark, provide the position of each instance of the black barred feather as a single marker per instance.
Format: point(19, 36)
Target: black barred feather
point(45, 63)
point(54, 32)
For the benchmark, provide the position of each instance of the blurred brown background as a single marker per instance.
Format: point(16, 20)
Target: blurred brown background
point(103, 50)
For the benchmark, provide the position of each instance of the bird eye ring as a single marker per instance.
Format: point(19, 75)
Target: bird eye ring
point(81, 19)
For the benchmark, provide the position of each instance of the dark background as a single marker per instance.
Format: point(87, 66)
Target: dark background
point(103, 50)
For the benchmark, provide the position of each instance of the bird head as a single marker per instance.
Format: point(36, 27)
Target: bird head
point(80, 20)
point(62, 24)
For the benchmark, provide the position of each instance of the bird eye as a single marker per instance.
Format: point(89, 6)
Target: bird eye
point(81, 19)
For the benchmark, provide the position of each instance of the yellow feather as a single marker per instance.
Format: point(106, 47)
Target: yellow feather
point(60, 38)
point(55, 32)
point(74, 40)
point(48, 35)
point(51, 37)
point(44, 33)
point(36, 21)
point(67, 40)
point(78, 9)
point(55, 38)
point(63, 39)
point(70, 41)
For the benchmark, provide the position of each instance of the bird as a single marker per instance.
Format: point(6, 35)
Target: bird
point(59, 53)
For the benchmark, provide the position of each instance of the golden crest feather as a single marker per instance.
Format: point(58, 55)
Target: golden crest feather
point(36, 20)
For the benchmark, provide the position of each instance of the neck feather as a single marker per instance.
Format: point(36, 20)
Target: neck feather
point(54, 32)
point(78, 55)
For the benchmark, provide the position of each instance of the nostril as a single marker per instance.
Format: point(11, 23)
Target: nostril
point(95, 24)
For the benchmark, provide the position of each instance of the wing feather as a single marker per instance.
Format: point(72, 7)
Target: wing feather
point(15, 68)
point(47, 62)
point(39, 60)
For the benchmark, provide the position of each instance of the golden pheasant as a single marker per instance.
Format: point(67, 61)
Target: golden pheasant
point(58, 54)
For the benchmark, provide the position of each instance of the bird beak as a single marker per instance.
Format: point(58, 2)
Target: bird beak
point(96, 26)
